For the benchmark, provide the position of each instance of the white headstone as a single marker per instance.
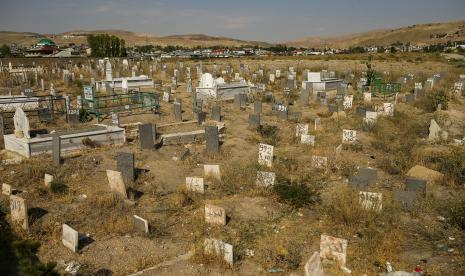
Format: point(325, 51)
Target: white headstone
point(116, 181)
point(265, 179)
point(349, 136)
point(307, 139)
point(195, 184)
point(18, 209)
point(301, 129)
point(21, 123)
point(212, 171)
point(70, 238)
point(333, 249)
point(371, 201)
point(215, 215)
point(265, 155)
point(220, 248)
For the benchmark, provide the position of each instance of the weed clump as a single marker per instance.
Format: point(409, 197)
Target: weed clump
point(299, 193)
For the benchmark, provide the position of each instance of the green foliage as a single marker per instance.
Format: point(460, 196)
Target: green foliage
point(104, 45)
point(456, 214)
point(5, 51)
point(299, 193)
point(58, 187)
point(453, 165)
point(26, 251)
point(269, 133)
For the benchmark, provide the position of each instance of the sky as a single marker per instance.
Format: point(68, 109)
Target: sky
point(259, 20)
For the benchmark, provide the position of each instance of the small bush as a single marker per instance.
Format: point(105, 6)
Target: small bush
point(453, 165)
point(456, 215)
point(29, 264)
point(300, 193)
point(269, 133)
point(58, 187)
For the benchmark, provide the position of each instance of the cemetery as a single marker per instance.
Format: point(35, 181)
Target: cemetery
point(270, 166)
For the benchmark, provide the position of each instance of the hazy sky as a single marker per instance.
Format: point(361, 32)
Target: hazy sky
point(266, 20)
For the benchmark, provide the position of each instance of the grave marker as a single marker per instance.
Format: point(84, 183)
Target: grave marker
point(301, 129)
point(195, 184)
point(265, 179)
point(70, 238)
point(319, 162)
point(417, 185)
point(307, 139)
point(116, 182)
point(313, 266)
point(48, 179)
point(371, 201)
point(18, 209)
point(349, 136)
point(215, 215)
point(140, 224)
point(265, 155)
point(348, 100)
point(125, 165)
point(333, 249)
point(219, 248)
point(254, 121)
point(6, 189)
point(56, 149)
point(212, 139)
point(212, 171)
point(147, 135)
point(216, 113)
point(257, 107)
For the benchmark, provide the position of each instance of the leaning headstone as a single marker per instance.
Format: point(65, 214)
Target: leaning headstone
point(18, 209)
point(216, 113)
point(195, 184)
point(21, 124)
point(371, 201)
point(212, 139)
point(116, 182)
point(125, 165)
point(333, 249)
point(70, 238)
point(254, 120)
point(140, 224)
point(6, 189)
point(265, 155)
point(265, 179)
point(435, 132)
point(349, 136)
point(219, 248)
point(313, 267)
point(146, 136)
point(212, 171)
point(48, 179)
point(56, 149)
point(215, 215)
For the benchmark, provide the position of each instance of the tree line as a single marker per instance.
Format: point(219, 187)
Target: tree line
point(105, 45)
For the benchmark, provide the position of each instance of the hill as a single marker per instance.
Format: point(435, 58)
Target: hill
point(415, 34)
point(131, 38)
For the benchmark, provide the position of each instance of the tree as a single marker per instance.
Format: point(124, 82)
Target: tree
point(104, 45)
point(5, 51)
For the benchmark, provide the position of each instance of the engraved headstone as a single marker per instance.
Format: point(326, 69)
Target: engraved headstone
point(125, 164)
point(195, 184)
point(215, 215)
point(349, 136)
point(333, 249)
point(212, 139)
point(216, 113)
point(371, 201)
point(18, 209)
point(254, 121)
point(265, 155)
point(147, 136)
point(265, 179)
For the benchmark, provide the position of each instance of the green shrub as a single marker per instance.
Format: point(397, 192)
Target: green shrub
point(269, 134)
point(456, 215)
point(58, 187)
point(26, 251)
point(300, 193)
point(453, 165)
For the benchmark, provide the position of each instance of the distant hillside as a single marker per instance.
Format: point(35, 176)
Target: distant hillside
point(416, 34)
point(131, 38)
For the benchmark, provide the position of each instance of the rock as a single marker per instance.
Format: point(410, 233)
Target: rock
point(425, 173)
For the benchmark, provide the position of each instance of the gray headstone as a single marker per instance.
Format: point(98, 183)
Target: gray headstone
point(409, 98)
point(45, 114)
point(177, 111)
point(257, 107)
point(56, 150)
point(125, 164)
point(216, 113)
point(73, 116)
point(254, 120)
point(415, 185)
point(304, 97)
point(2, 127)
point(238, 100)
point(147, 135)
point(283, 114)
point(358, 183)
point(406, 199)
point(212, 139)
point(369, 174)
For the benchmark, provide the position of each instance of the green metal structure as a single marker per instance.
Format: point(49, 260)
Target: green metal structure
point(133, 101)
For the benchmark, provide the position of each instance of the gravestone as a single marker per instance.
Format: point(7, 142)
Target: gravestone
point(333, 249)
point(349, 136)
point(265, 155)
point(282, 114)
point(125, 165)
point(140, 224)
point(301, 129)
point(254, 121)
point(116, 182)
point(216, 113)
point(177, 111)
point(257, 107)
point(18, 209)
point(389, 109)
point(70, 238)
point(307, 139)
point(265, 179)
point(367, 97)
point(361, 111)
point(304, 97)
point(115, 119)
point(195, 184)
point(2, 127)
point(371, 201)
point(212, 171)
point(313, 267)
point(147, 135)
point(48, 179)
point(73, 116)
point(212, 139)
point(348, 100)
point(239, 100)
point(6, 189)
point(45, 115)
point(317, 123)
point(219, 248)
point(319, 162)
point(201, 117)
point(415, 185)
point(21, 124)
point(56, 149)
point(215, 215)
point(406, 199)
